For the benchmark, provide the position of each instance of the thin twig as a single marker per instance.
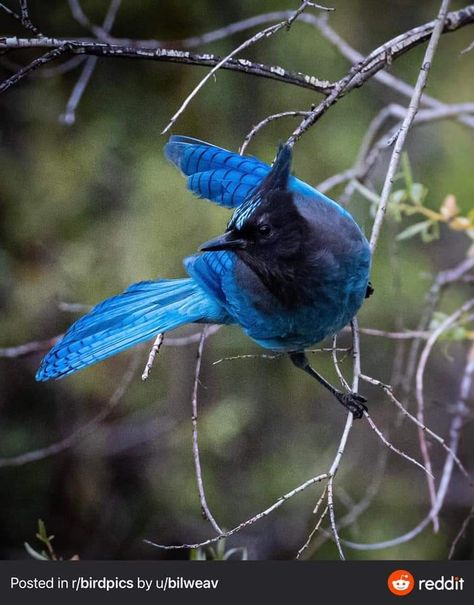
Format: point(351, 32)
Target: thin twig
point(345, 435)
point(332, 519)
point(263, 123)
point(461, 532)
point(248, 356)
point(405, 335)
point(155, 349)
point(206, 513)
point(51, 55)
point(393, 448)
point(335, 180)
point(19, 18)
point(69, 116)
point(25, 18)
point(312, 533)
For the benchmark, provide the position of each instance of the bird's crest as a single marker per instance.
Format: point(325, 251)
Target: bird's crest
point(276, 180)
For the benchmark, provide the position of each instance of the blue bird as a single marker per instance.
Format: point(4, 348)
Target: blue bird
point(291, 269)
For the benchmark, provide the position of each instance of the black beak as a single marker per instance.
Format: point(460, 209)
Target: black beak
point(227, 241)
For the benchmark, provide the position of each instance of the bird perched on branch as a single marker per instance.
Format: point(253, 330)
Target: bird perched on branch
point(291, 269)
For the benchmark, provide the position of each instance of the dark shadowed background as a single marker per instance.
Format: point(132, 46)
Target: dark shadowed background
point(89, 208)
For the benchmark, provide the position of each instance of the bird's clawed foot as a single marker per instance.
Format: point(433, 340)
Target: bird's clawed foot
point(353, 402)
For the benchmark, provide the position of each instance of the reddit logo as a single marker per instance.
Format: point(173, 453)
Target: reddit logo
point(400, 582)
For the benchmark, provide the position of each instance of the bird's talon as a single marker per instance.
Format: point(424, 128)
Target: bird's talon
point(354, 403)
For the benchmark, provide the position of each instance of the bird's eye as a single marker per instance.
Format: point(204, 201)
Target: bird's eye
point(264, 230)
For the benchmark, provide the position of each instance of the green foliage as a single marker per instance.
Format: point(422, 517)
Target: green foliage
point(43, 537)
point(458, 332)
point(48, 553)
point(410, 200)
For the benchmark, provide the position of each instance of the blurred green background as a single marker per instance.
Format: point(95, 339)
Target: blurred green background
point(87, 209)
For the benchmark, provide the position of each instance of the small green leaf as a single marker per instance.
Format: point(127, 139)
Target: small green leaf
point(431, 232)
point(418, 193)
point(398, 196)
point(42, 534)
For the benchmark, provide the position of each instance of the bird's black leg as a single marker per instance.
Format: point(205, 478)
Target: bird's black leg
point(352, 401)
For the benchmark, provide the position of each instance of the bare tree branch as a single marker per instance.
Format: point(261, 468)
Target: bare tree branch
point(155, 349)
point(51, 55)
point(438, 27)
point(357, 76)
point(206, 513)
point(99, 49)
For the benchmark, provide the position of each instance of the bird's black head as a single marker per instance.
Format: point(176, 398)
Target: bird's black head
point(267, 226)
point(273, 232)
point(268, 232)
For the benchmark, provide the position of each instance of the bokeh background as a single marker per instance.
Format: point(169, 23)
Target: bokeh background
point(87, 209)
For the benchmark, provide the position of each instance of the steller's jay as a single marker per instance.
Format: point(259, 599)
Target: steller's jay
point(291, 269)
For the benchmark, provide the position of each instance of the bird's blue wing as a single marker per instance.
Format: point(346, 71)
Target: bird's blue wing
point(225, 177)
point(211, 270)
point(219, 175)
point(216, 274)
point(228, 188)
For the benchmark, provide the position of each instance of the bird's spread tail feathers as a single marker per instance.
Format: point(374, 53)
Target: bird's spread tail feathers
point(137, 314)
